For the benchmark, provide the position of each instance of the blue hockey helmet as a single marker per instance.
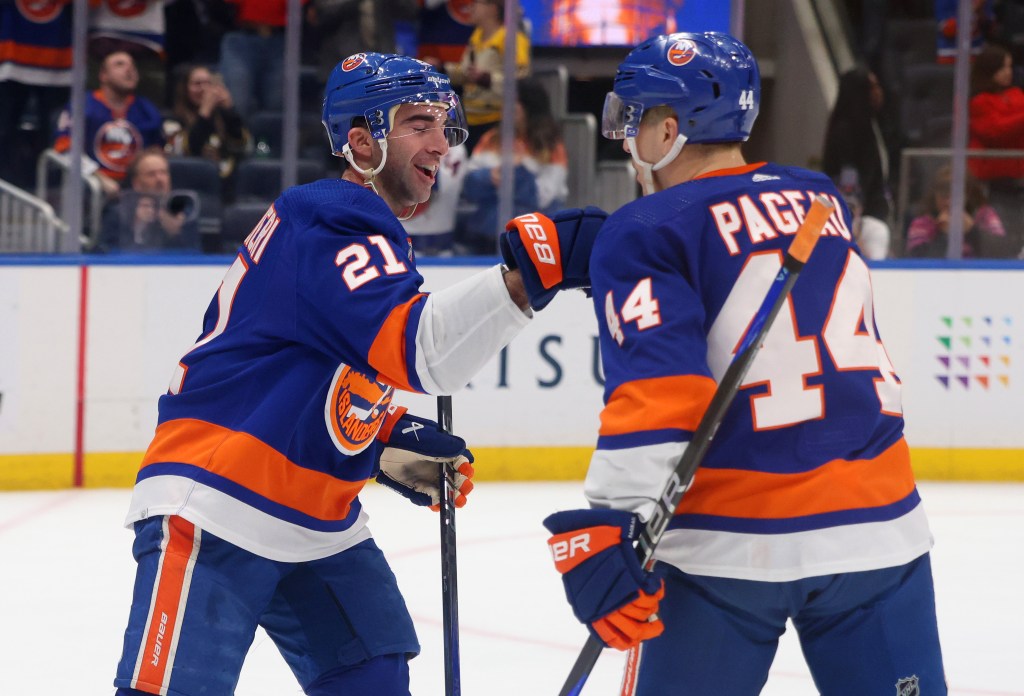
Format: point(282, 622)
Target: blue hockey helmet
point(710, 80)
point(371, 86)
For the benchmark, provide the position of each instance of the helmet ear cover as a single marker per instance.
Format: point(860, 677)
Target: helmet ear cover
point(710, 80)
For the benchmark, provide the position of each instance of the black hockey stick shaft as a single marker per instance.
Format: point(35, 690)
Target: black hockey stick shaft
point(799, 251)
point(449, 570)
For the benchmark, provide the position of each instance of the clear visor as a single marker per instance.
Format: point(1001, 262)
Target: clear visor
point(425, 113)
point(620, 119)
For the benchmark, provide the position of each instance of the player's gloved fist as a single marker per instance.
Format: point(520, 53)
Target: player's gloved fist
point(413, 450)
point(552, 253)
point(606, 586)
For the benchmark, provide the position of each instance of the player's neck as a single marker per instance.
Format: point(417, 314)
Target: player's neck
point(696, 160)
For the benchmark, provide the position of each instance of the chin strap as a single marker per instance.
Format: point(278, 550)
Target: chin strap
point(367, 174)
point(647, 169)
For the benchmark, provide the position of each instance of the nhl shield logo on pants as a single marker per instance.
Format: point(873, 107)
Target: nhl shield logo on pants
point(908, 686)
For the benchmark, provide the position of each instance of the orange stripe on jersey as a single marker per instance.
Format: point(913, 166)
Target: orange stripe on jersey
point(172, 580)
point(730, 171)
point(36, 56)
point(249, 462)
point(387, 354)
point(657, 403)
point(837, 485)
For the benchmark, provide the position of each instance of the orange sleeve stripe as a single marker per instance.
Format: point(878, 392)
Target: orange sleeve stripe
point(387, 354)
point(837, 485)
point(657, 403)
point(37, 56)
point(254, 465)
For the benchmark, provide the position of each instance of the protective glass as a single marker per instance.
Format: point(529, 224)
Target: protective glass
point(620, 119)
point(381, 119)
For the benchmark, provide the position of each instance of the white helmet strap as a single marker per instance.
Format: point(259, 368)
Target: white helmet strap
point(647, 169)
point(367, 174)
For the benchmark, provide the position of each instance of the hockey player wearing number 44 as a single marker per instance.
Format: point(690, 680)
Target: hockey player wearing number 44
point(246, 509)
point(805, 506)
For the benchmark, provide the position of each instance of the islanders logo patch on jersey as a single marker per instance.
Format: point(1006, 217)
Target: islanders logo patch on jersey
point(353, 62)
point(681, 52)
point(116, 144)
point(355, 409)
point(40, 11)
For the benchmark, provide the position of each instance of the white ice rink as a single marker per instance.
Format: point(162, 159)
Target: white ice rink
point(66, 574)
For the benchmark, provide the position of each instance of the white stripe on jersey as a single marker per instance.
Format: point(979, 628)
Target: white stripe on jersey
point(785, 557)
point(251, 529)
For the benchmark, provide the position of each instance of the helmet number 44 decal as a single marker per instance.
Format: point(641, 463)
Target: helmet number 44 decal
point(746, 99)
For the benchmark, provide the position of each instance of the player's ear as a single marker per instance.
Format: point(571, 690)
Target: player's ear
point(361, 143)
point(669, 130)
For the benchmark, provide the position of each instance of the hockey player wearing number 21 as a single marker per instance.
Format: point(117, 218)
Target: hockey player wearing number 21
point(805, 506)
point(246, 509)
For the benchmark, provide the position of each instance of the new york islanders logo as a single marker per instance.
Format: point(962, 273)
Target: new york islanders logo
point(116, 143)
point(353, 62)
point(355, 409)
point(681, 52)
point(40, 11)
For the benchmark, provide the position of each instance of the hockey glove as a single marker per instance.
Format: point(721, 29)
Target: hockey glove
point(552, 253)
point(413, 450)
point(605, 585)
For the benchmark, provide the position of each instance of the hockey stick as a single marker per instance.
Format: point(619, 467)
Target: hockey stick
point(449, 578)
point(799, 251)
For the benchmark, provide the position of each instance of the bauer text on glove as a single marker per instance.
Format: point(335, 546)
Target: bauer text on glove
point(603, 579)
point(552, 253)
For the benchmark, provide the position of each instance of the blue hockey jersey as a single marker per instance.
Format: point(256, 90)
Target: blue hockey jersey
point(809, 473)
point(268, 430)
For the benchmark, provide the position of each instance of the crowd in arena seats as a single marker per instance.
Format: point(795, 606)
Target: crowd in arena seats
point(202, 81)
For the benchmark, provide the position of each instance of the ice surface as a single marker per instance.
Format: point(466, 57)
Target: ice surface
point(66, 576)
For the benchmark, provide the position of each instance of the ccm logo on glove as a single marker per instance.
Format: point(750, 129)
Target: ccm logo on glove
point(572, 548)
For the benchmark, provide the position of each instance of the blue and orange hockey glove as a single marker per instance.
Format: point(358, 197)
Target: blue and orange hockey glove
point(552, 253)
point(604, 582)
point(413, 450)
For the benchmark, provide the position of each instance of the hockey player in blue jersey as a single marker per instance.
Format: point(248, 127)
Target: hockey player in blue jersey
point(805, 507)
point(246, 509)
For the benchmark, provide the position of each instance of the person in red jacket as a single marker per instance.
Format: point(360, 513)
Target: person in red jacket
point(996, 115)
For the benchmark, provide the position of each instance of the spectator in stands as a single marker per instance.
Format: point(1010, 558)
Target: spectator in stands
point(205, 121)
point(996, 116)
point(444, 30)
point(252, 55)
point(150, 216)
point(356, 26)
point(928, 234)
point(541, 169)
point(480, 73)
point(432, 225)
point(854, 139)
point(35, 73)
point(982, 26)
point(135, 27)
point(118, 123)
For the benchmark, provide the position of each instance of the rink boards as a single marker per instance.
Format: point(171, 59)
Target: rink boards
point(87, 346)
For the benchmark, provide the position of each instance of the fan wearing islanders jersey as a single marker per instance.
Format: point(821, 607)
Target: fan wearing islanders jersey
point(245, 509)
point(805, 506)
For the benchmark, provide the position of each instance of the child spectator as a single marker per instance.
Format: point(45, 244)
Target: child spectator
point(928, 234)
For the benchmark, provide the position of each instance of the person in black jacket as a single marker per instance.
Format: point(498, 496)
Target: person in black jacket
point(205, 121)
point(854, 139)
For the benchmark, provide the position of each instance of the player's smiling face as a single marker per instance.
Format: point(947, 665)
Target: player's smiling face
point(416, 144)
